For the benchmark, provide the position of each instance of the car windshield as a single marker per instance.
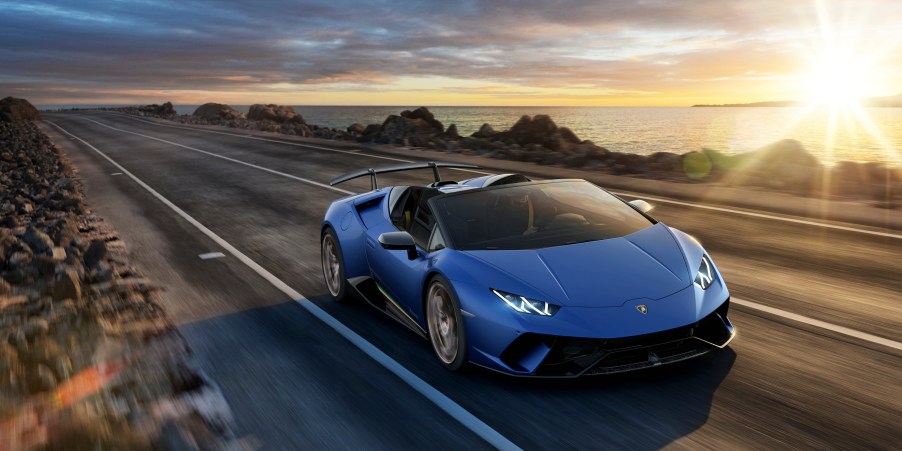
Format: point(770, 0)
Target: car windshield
point(534, 215)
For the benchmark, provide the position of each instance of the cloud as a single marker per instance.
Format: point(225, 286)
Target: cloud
point(128, 47)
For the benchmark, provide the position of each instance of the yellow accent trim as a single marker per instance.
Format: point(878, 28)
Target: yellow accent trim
point(406, 219)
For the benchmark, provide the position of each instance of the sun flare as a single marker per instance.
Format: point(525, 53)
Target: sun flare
point(837, 79)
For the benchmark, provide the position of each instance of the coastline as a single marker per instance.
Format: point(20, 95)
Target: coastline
point(784, 166)
point(847, 210)
point(646, 130)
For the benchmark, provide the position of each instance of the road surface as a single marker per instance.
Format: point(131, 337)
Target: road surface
point(817, 363)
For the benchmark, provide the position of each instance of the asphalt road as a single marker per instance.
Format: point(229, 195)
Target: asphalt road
point(294, 382)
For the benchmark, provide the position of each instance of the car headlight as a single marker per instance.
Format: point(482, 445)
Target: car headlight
point(706, 274)
point(527, 305)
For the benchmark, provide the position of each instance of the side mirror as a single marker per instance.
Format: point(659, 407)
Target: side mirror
point(399, 241)
point(641, 205)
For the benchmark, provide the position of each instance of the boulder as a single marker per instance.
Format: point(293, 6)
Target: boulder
point(486, 131)
point(38, 241)
point(15, 110)
point(872, 179)
point(580, 155)
point(217, 112)
point(665, 162)
point(539, 130)
point(423, 114)
point(356, 129)
point(568, 136)
point(166, 109)
point(96, 253)
point(154, 109)
point(784, 164)
point(451, 132)
point(407, 131)
point(67, 286)
point(628, 163)
point(282, 114)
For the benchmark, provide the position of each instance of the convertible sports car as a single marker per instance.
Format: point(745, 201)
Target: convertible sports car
point(550, 278)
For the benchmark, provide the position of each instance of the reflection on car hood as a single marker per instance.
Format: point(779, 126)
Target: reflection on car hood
point(646, 264)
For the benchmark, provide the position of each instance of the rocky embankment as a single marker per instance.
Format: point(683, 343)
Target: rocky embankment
point(782, 166)
point(88, 358)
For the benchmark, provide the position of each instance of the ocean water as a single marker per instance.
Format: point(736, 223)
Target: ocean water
point(874, 134)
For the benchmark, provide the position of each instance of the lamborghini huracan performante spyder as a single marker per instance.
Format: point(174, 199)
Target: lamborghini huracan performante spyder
point(551, 278)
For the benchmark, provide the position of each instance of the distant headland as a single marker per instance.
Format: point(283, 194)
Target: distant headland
point(887, 102)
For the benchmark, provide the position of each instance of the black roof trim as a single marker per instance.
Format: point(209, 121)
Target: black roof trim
point(397, 168)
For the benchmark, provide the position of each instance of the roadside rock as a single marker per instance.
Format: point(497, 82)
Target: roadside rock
point(782, 165)
point(567, 135)
point(16, 110)
point(486, 131)
point(281, 114)
point(627, 163)
point(371, 132)
point(665, 162)
point(423, 114)
point(451, 132)
point(871, 180)
point(539, 130)
point(217, 112)
point(407, 131)
point(67, 286)
point(96, 253)
point(164, 110)
point(38, 241)
point(358, 129)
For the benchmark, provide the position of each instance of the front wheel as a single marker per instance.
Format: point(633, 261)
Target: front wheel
point(446, 327)
point(333, 266)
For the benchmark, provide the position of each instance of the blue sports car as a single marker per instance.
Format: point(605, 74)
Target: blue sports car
point(550, 278)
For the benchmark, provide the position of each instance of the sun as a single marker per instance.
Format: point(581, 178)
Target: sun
point(837, 79)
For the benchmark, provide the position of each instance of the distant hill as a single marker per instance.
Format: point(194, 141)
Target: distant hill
point(889, 101)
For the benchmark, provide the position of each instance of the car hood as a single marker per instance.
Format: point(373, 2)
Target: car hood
point(646, 264)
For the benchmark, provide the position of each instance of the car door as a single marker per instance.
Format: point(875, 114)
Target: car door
point(397, 275)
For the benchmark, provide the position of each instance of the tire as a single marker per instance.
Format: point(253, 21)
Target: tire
point(333, 266)
point(445, 323)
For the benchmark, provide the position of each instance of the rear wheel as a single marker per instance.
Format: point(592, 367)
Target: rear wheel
point(446, 327)
point(333, 267)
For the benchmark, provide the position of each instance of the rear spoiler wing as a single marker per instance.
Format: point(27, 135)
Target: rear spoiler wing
point(397, 168)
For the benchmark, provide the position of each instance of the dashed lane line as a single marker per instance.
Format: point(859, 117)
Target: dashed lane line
point(761, 215)
point(819, 324)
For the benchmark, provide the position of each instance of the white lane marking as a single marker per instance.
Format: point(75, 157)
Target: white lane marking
point(211, 255)
point(656, 199)
point(272, 171)
point(438, 398)
point(116, 173)
point(818, 323)
point(760, 215)
point(289, 143)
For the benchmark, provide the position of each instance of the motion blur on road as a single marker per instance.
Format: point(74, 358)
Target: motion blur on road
point(797, 376)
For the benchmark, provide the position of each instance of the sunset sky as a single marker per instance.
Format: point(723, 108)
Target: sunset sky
point(402, 52)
